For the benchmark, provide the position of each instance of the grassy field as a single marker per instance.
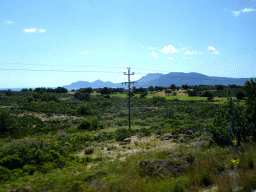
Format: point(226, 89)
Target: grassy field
point(73, 145)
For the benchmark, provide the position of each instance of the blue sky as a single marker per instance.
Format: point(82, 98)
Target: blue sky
point(215, 38)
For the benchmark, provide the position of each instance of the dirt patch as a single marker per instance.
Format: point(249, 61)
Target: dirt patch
point(179, 93)
point(44, 117)
point(136, 145)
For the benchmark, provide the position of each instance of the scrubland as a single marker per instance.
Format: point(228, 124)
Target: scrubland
point(58, 142)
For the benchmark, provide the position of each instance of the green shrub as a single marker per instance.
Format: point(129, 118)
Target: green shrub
point(18, 153)
point(227, 124)
point(121, 122)
point(29, 169)
point(111, 148)
point(5, 174)
point(94, 121)
point(82, 96)
point(101, 125)
point(143, 95)
point(88, 151)
point(121, 134)
point(30, 99)
point(144, 132)
point(85, 125)
point(8, 123)
point(49, 97)
point(84, 109)
point(159, 101)
point(11, 161)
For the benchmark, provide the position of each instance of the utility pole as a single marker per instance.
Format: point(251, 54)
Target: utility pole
point(129, 93)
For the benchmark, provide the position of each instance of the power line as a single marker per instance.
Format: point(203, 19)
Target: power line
point(64, 71)
point(222, 59)
point(76, 66)
point(58, 65)
point(58, 70)
point(219, 60)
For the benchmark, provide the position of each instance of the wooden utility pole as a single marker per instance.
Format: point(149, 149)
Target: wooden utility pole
point(129, 93)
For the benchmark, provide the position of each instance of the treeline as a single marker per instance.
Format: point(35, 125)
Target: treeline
point(191, 90)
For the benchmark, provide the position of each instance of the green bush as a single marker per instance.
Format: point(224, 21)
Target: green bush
point(11, 161)
point(8, 123)
point(227, 124)
point(143, 95)
point(82, 96)
point(88, 151)
point(18, 153)
point(121, 122)
point(29, 169)
point(159, 101)
point(144, 132)
point(49, 97)
point(86, 125)
point(5, 174)
point(85, 109)
point(94, 121)
point(121, 134)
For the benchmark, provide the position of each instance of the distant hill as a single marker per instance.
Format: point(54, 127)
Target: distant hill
point(95, 84)
point(165, 80)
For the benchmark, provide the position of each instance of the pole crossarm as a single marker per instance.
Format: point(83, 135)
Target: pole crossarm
point(129, 83)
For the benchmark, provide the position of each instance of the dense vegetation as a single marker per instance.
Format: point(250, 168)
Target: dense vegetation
point(43, 132)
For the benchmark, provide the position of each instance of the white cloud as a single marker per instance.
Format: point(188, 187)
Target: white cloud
point(214, 50)
point(9, 22)
point(153, 54)
point(170, 58)
point(42, 30)
point(168, 49)
point(152, 48)
point(83, 52)
point(248, 10)
point(182, 49)
point(245, 10)
point(32, 30)
point(190, 53)
point(236, 13)
point(211, 48)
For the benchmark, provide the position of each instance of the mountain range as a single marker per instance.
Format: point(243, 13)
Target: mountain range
point(165, 80)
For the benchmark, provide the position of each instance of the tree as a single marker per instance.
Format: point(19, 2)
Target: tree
point(84, 109)
point(228, 123)
point(105, 91)
point(143, 95)
point(8, 93)
point(250, 109)
point(185, 87)
point(8, 123)
point(207, 94)
point(61, 90)
point(173, 87)
point(168, 92)
point(49, 97)
point(151, 88)
point(82, 96)
point(219, 87)
point(240, 95)
point(131, 93)
point(192, 93)
point(24, 90)
point(134, 89)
